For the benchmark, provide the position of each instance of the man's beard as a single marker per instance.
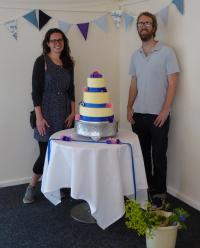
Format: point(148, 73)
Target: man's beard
point(146, 36)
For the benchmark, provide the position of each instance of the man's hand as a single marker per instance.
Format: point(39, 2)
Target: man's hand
point(171, 90)
point(161, 118)
point(131, 99)
point(130, 116)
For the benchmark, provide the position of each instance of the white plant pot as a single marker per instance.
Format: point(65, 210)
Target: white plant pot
point(163, 237)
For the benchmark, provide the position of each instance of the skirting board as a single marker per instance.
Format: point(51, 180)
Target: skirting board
point(184, 198)
point(15, 182)
point(170, 190)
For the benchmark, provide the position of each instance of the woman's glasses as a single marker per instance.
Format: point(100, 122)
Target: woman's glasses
point(56, 40)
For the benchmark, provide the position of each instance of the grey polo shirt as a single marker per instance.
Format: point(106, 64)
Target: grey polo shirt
point(151, 72)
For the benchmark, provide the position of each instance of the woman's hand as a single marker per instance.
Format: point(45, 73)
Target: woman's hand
point(69, 120)
point(41, 126)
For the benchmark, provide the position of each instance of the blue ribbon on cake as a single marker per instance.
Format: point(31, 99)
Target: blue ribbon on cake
point(91, 89)
point(93, 105)
point(97, 119)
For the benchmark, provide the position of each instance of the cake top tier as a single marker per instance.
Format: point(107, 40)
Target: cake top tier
point(96, 80)
point(96, 74)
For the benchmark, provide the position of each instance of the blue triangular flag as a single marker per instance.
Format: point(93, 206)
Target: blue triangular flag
point(179, 5)
point(164, 15)
point(128, 20)
point(31, 17)
point(64, 26)
point(102, 23)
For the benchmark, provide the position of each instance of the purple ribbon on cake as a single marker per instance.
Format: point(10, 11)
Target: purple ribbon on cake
point(96, 74)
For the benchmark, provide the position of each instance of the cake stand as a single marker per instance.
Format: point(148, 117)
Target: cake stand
point(96, 130)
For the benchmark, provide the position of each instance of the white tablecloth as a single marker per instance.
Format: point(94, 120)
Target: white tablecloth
point(100, 174)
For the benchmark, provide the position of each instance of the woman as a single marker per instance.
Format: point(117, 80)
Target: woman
point(53, 97)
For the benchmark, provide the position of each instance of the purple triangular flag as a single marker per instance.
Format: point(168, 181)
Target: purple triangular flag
point(43, 19)
point(83, 27)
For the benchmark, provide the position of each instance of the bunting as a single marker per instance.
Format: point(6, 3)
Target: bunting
point(43, 19)
point(179, 5)
point(102, 23)
point(12, 27)
point(83, 27)
point(31, 17)
point(128, 20)
point(39, 19)
point(64, 26)
point(117, 16)
point(164, 15)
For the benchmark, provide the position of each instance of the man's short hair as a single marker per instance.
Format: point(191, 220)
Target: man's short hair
point(153, 18)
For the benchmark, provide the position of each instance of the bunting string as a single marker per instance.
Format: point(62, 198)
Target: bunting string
point(38, 18)
point(135, 2)
point(61, 10)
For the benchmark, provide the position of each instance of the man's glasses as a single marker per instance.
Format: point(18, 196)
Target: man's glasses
point(58, 40)
point(144, 24)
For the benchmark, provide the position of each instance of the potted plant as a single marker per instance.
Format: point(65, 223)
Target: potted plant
point(159, 226)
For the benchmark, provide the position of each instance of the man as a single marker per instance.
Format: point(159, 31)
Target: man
point(154, 70)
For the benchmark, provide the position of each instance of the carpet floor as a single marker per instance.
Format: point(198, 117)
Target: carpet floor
point(44, 225)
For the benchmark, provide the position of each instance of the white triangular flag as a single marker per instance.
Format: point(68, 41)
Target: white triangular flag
point(128, 20)
point(12, 27)
point(164, 15)
point(64, 26)
point(102, 23)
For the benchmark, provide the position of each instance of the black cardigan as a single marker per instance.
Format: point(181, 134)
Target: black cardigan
point(38, 78)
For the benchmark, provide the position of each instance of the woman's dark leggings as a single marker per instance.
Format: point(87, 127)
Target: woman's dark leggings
point(39, 163)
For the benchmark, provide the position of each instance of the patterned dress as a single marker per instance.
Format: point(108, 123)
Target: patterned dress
point(56, 105)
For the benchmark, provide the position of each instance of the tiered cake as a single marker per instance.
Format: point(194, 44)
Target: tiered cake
point(96, 118)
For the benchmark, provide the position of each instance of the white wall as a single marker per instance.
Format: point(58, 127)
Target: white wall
point(110, 53)
point(183, 35)
point(184, 156)
point(18, 150)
